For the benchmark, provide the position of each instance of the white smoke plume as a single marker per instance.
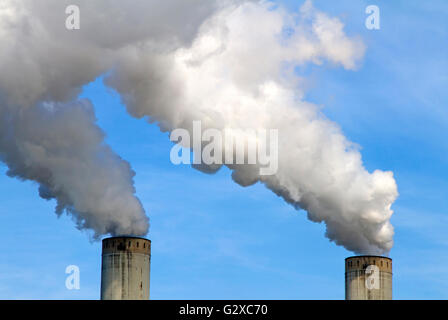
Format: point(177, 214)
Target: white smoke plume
point(60, 147)
point(229, 64)
point(50, 137)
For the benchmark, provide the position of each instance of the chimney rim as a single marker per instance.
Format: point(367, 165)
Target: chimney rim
point(368, 256)
point(125, 237)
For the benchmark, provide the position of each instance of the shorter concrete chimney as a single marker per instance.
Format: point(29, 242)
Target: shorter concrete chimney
point(368, 278)
point(125, 268)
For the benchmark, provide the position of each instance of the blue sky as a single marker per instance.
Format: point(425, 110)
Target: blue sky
point(213, 239)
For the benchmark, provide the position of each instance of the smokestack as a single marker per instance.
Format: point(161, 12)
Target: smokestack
point(368, 278)
point(125, 268)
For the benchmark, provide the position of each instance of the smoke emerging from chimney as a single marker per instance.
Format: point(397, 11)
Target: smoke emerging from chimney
point(61, 148)
point(229, 64)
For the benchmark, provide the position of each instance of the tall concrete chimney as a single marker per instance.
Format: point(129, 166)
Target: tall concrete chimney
point(368, 278)
point(125, 268)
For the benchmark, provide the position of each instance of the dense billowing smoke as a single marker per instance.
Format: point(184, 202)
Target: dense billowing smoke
point(228, 64)
point(60, 147)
